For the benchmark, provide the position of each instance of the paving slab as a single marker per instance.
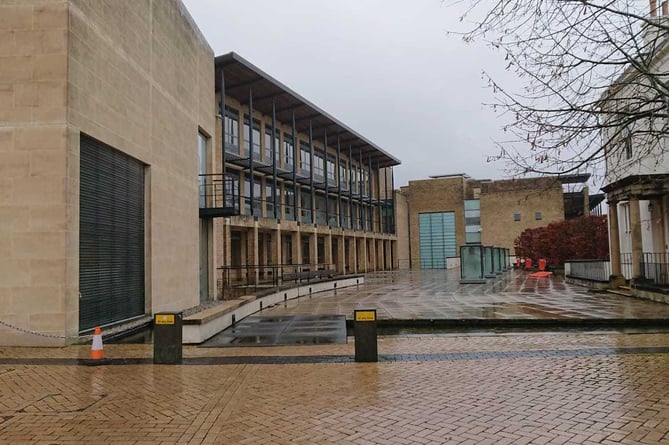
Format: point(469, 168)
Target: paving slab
point(438, 295)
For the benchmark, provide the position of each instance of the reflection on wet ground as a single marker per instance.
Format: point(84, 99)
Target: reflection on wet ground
point(283, 330)
point(438, 294)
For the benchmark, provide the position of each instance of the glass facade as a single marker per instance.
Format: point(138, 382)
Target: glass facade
point(471, 264)
point(436, 239)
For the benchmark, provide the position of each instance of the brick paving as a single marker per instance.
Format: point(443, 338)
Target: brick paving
point(516, 388)
point(513, 388)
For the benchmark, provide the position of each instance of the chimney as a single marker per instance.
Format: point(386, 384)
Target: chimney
point(653, 8)
point(665, 9)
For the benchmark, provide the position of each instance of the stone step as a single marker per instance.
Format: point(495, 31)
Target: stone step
point(621, 292)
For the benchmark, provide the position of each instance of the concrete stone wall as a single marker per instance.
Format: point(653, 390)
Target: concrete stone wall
point(499, 200)
point(138, 76)
point(435, 195)
point(141, 79)
point(402, 230)
point(34, 222)
point(502, 199)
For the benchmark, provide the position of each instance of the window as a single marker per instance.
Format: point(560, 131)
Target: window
point(305, 159)
point(364, 179)
point(319, 168)
point(343, 176)
point(331, 176)
point(321, 210)
point(203, 158)
point(257, 198)
point(306, 251)
point(472, 221)
point(354, 179)
point(289, 203)
point(355, 217)
point(269, 199)
point(268, 146)
point(627, 142)
point(305, 206)
point(288, 154)
point(332, 212)
point(256, 137)
point(538, 216)
point(231, 137)
point(516, 216)
point(320, 249)
point(345, 220)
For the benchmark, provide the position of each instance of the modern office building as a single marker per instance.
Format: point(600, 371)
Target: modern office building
point(113, 202)
point(293, 189)
point(449, 211)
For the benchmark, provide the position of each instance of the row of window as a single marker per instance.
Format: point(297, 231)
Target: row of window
point(324, 167)
point(326, 210)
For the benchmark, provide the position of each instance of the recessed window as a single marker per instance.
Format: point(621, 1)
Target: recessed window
point(516, 216)
point(627, 142)
point(538, 216)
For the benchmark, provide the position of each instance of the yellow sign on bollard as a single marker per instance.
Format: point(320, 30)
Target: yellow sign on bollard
point(365, 315)
point(165, 319)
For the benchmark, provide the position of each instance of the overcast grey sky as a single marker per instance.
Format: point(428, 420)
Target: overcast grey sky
point(384, 67)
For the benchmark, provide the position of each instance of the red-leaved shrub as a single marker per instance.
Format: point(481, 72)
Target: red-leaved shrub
point(583, 238)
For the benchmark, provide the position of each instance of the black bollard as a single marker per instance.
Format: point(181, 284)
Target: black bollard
point(167, 338)
point(364, 331)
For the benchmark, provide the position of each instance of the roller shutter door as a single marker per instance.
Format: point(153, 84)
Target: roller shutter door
point(111, 235)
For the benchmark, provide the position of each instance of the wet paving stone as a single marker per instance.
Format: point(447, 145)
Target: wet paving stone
point(409, 295)
point(282, 330)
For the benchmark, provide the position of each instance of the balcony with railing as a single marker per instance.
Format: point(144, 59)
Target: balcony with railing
point(218, 195)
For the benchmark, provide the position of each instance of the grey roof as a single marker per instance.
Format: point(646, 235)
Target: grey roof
point(240, 76)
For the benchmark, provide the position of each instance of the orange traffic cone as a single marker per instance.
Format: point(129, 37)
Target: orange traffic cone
point(97, 356)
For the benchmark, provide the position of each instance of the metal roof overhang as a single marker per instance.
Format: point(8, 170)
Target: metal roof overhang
point(240, 76)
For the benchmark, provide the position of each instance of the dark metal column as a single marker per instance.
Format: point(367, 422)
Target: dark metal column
point(252, 181)
point(362, 189)
point(350, 185)
point(338, 178)
point(325, 167)
point(392, 201)
point(222, 111)
point(311, 175)
point(386, 228)
point(274, 159)
point(378, 195)
point(296, 191)
point(370, 210)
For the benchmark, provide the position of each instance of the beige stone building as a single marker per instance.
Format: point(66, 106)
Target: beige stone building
point(446, 212)
point(108, 116)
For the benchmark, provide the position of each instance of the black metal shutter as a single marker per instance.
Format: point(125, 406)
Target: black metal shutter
point(111, 235)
